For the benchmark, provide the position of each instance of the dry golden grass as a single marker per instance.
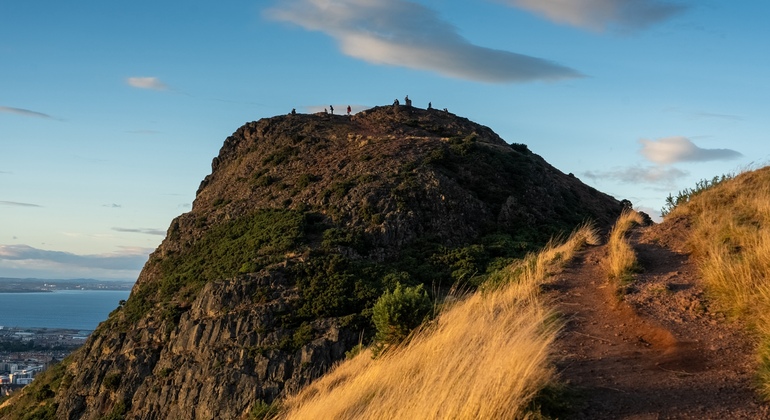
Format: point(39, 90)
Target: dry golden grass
point(731, 241)
point(621, 262)
point(485, 357)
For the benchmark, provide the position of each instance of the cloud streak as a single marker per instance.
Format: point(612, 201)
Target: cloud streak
point(406, 34)
point(151, 83)
point(25, 112)
point(147, 231)
point(18, 204)
point(599, 15)
point(130, 259)
point(670, 150)
point(635, 174)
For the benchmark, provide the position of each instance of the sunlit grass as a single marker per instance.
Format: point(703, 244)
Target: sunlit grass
point(620, 262)
point(731, 241)
point(486, 356)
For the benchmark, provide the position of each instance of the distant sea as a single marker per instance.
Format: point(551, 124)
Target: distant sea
point(72, 309)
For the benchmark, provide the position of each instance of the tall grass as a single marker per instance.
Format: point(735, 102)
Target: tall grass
point(486, 356)
point(731, 240)
point(620, 262)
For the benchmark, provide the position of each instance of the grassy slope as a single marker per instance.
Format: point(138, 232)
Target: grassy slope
point(731, 241)
point(486, 356)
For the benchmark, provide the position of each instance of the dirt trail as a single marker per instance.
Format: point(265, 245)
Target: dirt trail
point(659, 352)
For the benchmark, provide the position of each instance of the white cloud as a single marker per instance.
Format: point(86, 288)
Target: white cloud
point(681, 149)
point(152, 83)
point(636, 174)
point(599, 15)
point(407, 34)
point(25, 112)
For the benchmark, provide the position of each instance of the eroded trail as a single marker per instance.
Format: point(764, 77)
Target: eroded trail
point(656, 353)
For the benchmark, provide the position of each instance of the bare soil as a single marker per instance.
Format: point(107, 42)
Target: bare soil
point(656, 350)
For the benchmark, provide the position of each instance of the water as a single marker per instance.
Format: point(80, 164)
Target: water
point(72, 309)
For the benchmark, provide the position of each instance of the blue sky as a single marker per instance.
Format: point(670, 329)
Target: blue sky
point(110, 112)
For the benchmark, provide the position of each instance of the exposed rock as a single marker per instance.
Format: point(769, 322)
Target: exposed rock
point(303, 222)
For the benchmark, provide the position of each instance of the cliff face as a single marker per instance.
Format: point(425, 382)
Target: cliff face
point(304, 221)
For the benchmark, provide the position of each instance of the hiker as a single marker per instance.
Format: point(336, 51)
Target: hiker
point(293, 111)
point(430, 106)
point(395, 103)
point(331, 108)
point(349, 109)
point(408, 101)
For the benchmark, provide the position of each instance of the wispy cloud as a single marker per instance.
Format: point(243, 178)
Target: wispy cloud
point(148, 231)
point(636, 174)
point(670, 150)
point(18, 204)
point(152, 83)
point(598, 15)
point(25, 112)
point(407, 34)
point(129, 259)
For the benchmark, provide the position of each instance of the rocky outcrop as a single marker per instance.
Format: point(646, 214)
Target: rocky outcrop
point(304, 221)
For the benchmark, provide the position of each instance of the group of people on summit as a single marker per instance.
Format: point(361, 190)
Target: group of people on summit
point(330, 110)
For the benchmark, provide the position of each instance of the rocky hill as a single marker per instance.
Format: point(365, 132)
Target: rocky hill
point(303, 223)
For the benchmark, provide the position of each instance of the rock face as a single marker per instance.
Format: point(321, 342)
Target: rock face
point(304, 221)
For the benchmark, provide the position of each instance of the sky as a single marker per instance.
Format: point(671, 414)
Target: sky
point(111, 112)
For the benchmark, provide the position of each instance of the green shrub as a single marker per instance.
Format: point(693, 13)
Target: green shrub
point(112, 381)
point(304, 180)
point(263, 411)
point(44, 393)
point(399, 312)
point(686, 194)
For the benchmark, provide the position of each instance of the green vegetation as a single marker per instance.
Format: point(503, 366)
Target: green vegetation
point(118, 412)
point(398, 312)
point(263, 411)
point(280, 156)
point(687, 194)
point(112, 381)
point(240, 246)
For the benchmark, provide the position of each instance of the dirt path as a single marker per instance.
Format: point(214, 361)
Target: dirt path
point(657, 354)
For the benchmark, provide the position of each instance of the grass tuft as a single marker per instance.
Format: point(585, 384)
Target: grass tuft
point(621, 263)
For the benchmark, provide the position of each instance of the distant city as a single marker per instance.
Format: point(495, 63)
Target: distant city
point(25, 352)
point(14, 285)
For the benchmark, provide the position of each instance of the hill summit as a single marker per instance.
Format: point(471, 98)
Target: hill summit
point(304, 221)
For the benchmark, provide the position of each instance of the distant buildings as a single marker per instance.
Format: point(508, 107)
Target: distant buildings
point(18, 372)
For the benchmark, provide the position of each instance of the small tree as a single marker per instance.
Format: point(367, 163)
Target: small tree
point(399, 312)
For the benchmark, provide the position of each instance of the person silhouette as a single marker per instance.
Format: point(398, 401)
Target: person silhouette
point(430, 106)
point(349, 109)
point(331, 109)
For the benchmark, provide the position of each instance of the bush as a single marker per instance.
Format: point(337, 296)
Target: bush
point(687, 194)
point(399, 312)
point(112, 381)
